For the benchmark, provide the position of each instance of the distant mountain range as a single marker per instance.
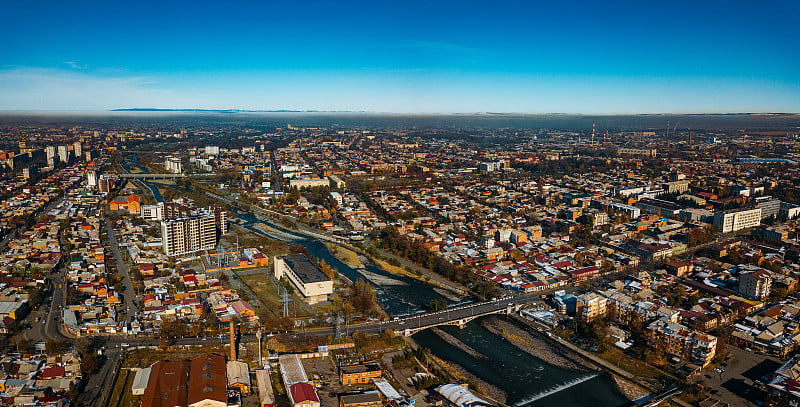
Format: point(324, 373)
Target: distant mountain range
point(151, 109)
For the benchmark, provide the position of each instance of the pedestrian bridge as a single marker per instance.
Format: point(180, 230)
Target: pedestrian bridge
point(458, 319)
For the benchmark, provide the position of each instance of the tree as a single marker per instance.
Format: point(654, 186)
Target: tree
point(362, 296)
point(54, 346)
point(89, 363)
point(293, 196)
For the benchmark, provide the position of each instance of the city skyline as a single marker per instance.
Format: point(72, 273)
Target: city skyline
point(411, 58)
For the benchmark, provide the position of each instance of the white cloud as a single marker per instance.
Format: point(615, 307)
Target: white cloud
point(24, 88)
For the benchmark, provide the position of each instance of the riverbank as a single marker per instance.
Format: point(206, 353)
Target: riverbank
point(457, 372)
point(356, 259)
point(537, 347)
point(480, 386)
point(346, 255)
point(631, 390)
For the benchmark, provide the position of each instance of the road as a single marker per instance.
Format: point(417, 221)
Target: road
point(49, 314)
point(99, 386)
point(123, 269)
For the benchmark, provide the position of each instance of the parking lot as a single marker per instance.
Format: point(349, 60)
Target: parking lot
point(330, 386)
point(739, 380)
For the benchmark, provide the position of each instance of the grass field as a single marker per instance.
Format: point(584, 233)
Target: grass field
point(265, 291)
point(631, 364)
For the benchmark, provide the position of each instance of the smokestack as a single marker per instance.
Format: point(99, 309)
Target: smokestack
point(232, 325)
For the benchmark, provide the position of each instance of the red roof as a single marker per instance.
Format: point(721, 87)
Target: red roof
point(51, 372)
point(303, 392)
point(241, 306)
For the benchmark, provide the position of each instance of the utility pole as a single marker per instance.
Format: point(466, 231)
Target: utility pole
point(285, 298)
point(260, 358)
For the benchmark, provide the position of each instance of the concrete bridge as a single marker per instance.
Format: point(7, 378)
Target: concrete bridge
point(152, 175)
point(458, 316)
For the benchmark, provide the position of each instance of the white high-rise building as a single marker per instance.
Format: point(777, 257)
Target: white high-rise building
point(212, 150)
point(78, 149)
point(91, 179)
point(63, 154)
point(50, 151)
point(173, 165)
point(737, 219)
point(153, 212)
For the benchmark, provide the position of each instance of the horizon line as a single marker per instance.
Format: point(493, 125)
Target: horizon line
point(370, 112)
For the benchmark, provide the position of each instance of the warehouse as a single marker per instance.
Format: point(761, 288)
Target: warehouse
point(265, 395)
point(457, 395)
point(140, 381)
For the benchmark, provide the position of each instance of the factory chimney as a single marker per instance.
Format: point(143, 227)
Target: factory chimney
point(232, 325)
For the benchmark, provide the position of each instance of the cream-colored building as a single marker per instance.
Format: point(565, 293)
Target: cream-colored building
point(731, 221)
point(755, 284)
point(307, 278)
point(591, 306)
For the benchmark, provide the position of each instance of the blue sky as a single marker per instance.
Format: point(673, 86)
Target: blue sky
point(408, 57)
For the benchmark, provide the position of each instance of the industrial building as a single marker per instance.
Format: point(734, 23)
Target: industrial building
point(266, 397)
point(208, 381)
point(458, 395)
point(360, 400)
point(140, 380)
point(238, 375)
point(307, 278)
point(167, 384)
point(300, 392)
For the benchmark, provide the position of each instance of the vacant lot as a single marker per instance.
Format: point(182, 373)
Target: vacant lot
point(264, 290)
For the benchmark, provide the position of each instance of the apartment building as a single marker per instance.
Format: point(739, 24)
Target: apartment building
point(755, 284)
point(676, 339)
point(173, 165)
point(737, 219)
point(63, 154)
point(591, 306)
point(189, 234)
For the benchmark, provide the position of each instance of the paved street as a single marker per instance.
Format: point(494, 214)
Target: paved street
point(123, 269)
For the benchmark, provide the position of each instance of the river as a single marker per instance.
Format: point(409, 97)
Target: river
point(526, 380)
point(397, 295)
